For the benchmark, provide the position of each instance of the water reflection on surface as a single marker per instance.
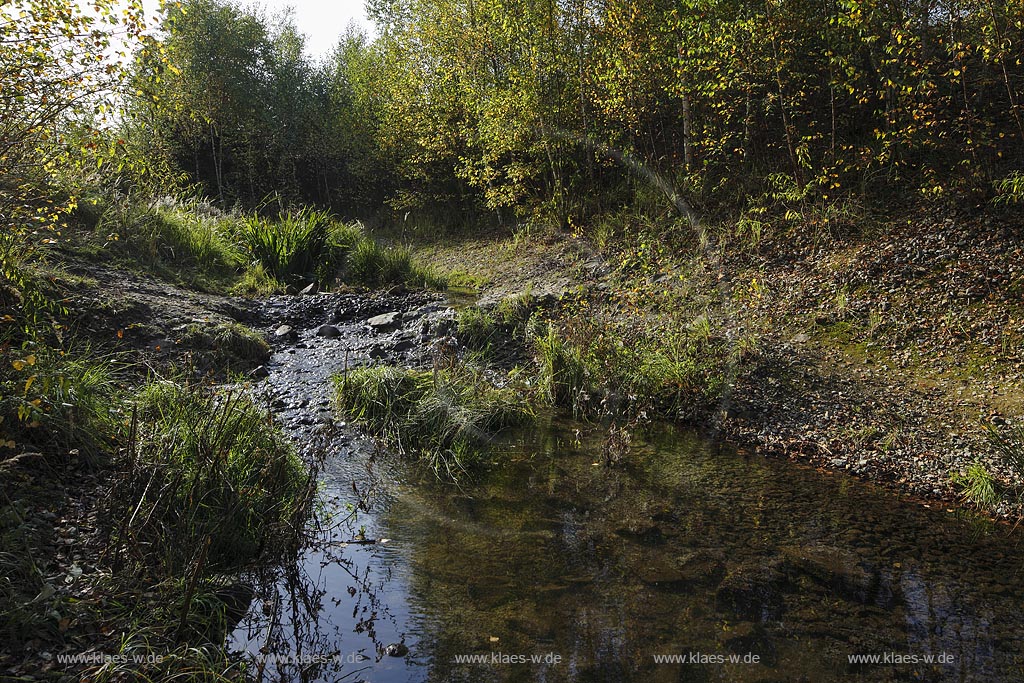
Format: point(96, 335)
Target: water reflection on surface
point(595, 571)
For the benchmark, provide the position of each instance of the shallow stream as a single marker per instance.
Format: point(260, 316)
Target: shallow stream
point(688, 563)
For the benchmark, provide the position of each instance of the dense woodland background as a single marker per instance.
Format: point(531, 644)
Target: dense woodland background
point(506, 111)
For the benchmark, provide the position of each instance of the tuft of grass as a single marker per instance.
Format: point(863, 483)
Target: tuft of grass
point(372, 264)
point(295, 246)
point(565, 374)
point(257, 281)
point(1008, 442)
point(597, 368)
point(210, 482)
point(175, 242)
point(487, 330)
point(56, 401)
point(978, 486)
point(1010, 189)
point(446, 417)
point(147, 657)
point(225, 347)
point(477, 329)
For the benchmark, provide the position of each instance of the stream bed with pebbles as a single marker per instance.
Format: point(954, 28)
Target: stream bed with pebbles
point(690, 562)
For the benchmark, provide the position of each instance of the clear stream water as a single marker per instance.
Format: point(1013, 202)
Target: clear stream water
point(591, 573)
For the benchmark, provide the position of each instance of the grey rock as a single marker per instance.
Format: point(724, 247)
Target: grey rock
point(285, 332)
point(328, 331)
point(427, 309)
point(385, 322)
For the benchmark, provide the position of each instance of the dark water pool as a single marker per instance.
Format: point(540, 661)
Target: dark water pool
point(685, 564)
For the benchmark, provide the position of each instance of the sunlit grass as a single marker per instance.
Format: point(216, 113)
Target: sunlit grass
point(446, 417)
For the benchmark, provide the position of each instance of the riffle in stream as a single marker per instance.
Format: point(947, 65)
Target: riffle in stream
point(687, 563)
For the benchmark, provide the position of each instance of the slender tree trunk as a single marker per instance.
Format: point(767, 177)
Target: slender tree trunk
point(217, 168)
point(687, 135)
point(787, 125)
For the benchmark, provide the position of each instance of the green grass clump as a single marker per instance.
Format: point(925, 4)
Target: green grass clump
point(446, 417)
point(258, 282)
point(294, 247)
point(1008, 442)
point(211, 482)
point(374, 265)
point(310, 245)
point(477, 329)
point(565, 377)
point(488, 329)
point(225, 347)
point(978, 486)
point(55, 401)
point(597, 368)
point(175, 242)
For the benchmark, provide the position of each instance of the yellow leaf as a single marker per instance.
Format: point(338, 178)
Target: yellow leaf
point(19, 365)
point(31, 360)
point(28, 384)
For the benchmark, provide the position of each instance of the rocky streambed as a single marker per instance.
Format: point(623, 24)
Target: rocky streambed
point(315, 336)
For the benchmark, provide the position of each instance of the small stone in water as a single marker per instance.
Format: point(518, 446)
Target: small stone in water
point(396, 650)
